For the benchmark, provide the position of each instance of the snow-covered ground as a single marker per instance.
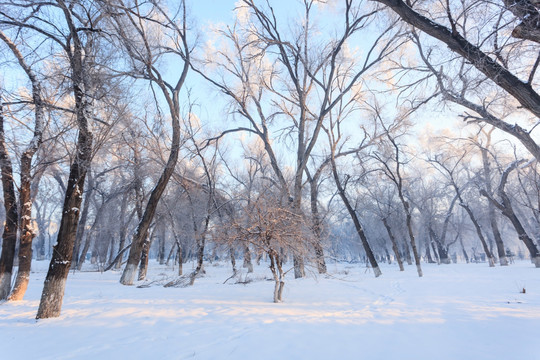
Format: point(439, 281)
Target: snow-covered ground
point(464, 311)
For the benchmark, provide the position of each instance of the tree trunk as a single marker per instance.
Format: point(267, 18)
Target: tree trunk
point(247, 259)
point(407, 252)
point(277, 272)
point(180, 259)
point(463, 250)
point(55, 281)
point(233, 259)
point(128, 275)
point(145, 255)
point(352, 213)
point(478, 229)
point(316, 219)
point(161, 247)
point(81, 228)
point(394, 244)
point(27, 233)
point(9, 236)
point(408, 221)
point(441, 249)
point(428, 251)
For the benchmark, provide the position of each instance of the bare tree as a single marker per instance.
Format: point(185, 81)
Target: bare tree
point(450, 172)
point(302, 80)
point(394, 174)
point(505, 206)
point(135, 34)
point(488, 50)
point(9, 236)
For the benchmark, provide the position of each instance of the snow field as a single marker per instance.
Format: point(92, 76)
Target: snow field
point(463, 311)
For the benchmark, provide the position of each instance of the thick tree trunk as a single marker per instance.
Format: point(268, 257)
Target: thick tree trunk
point(441, 249)
point(123, 230)
point(394, 244)
point(145, 255)
point(9, 236)
point(26, 232)
point(55, 281)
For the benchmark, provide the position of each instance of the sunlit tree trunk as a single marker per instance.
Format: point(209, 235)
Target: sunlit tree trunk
point(9, 236)
point(55, 281)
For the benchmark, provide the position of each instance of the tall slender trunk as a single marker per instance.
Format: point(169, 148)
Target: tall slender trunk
point(352, 213)
point(9, 236)
point(137, 243)
point(478, 229)
point(428, 251)
point(408, 221)
point(78, 258)
point(27, 233)
point(465, 255)
point(501, 251)
point(317, 225)
point(135, 252)
point(247, 259)
point(407, 252)
point(394, 243)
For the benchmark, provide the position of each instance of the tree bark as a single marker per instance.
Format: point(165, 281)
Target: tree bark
point(81, 227)
point(478, 229)
point(171, 95)
point(394, 243)
point(501, 251)
point(9, 236)
point(317, 225)
point(506, 208)
point(55, 281)
point(145, 255)
point(247, 259)
point(352, 213)
point(27, 232)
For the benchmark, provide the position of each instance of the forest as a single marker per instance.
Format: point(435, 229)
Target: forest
point(292, 135)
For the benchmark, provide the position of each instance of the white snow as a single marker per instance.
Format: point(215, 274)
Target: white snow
point(463, 311)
